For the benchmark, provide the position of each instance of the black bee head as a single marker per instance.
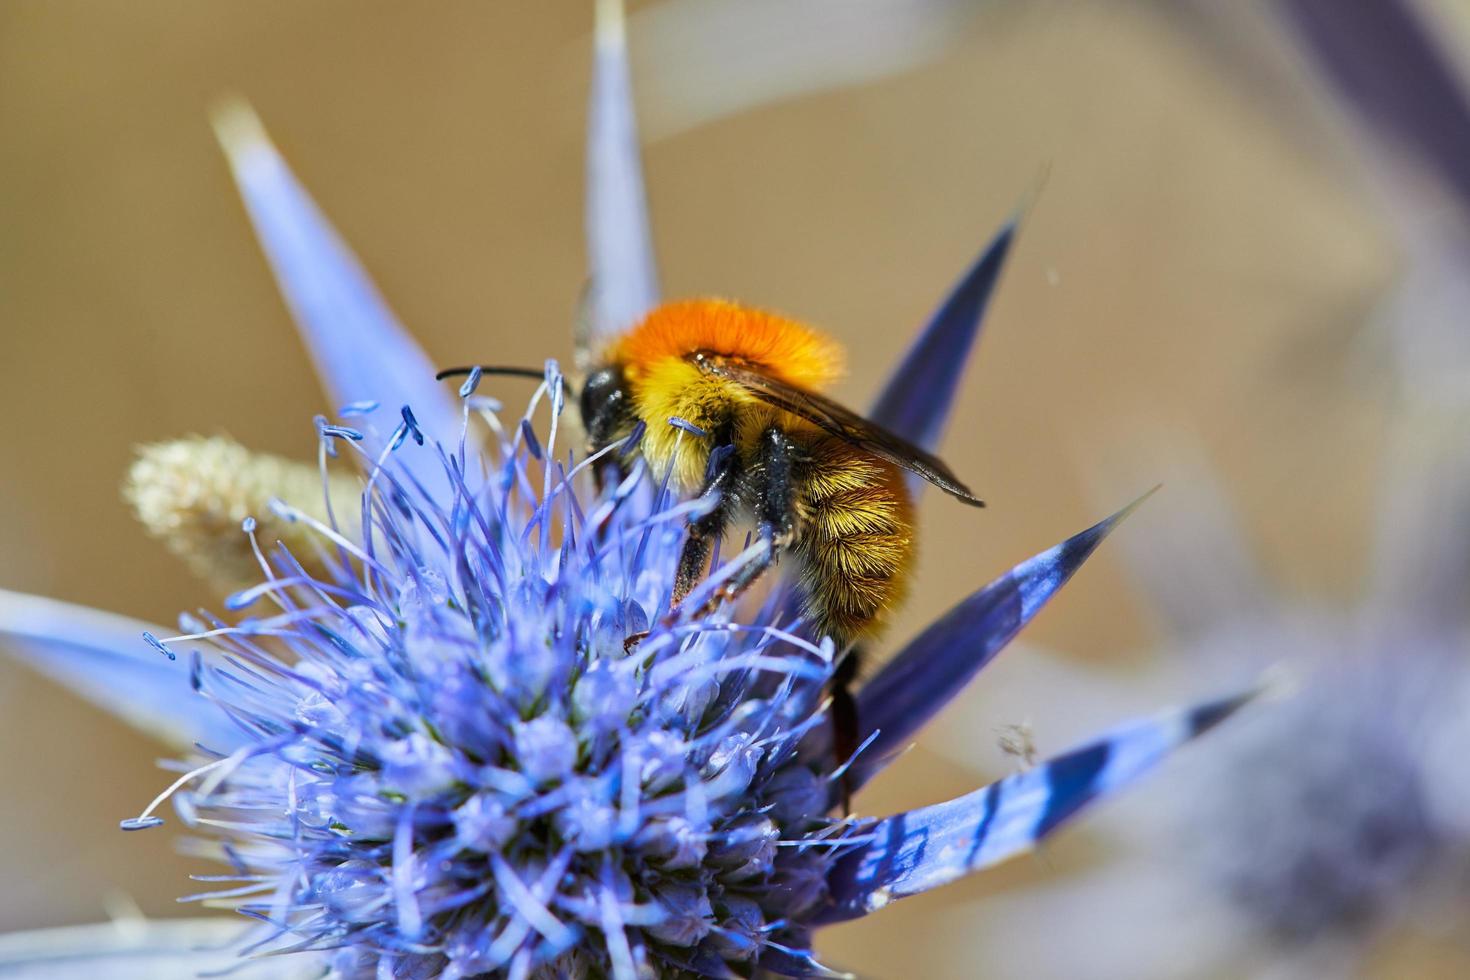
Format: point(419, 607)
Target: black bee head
point(607, 410)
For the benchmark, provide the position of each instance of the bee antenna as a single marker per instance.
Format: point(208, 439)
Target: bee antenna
point(538, 374)
point(520, 372)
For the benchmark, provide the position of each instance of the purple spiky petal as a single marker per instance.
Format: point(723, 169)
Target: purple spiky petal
point(922, 849)
point(360, 350)
point(619, 242)
point(934, 667)
point(105, 659)
point(919, 396)
point(140, 950)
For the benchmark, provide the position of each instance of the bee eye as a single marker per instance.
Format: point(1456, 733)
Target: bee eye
point(604, 405)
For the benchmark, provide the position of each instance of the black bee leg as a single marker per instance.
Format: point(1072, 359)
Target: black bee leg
point(719, 482)
point(845, 720)
point(702, 531)
point(773, 494)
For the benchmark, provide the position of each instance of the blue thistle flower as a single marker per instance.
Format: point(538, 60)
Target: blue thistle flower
point(459, 768)
point(426, 748)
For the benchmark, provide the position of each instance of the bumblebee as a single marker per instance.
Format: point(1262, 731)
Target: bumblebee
point(758, 438)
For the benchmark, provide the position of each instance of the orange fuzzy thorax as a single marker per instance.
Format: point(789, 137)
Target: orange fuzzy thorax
point(786, 349)
point(664, 382)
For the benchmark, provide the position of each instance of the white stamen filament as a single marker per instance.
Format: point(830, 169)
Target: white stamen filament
point(283, 509)
point(177, 785)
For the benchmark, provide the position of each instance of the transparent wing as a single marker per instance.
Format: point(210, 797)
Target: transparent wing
point(839, 421)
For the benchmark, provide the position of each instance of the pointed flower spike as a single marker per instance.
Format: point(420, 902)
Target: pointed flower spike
point(923, 678)
point(922, 849)
point(799, 965)
point(106, 660)
point(361, 352)
point(138, 947)
point(619, 244)
point(919, 396)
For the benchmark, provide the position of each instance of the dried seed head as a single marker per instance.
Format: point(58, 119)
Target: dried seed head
point(193, 494)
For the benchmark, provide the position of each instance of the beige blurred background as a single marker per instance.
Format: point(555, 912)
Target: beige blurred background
point(1191, 255)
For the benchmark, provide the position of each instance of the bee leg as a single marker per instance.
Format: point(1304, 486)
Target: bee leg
point(719, 481)
point(774, 500)
point(845, 720)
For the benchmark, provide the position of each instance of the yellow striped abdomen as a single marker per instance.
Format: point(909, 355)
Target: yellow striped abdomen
point(855, 538)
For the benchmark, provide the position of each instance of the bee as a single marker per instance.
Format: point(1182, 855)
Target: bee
point(758, 439)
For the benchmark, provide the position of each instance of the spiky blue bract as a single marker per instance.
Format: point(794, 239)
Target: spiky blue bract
point(624, 276)
point(920, 394)
point(361, 353)
point(938, 664)
point(456, 764)
point(104, 658)
point(138, 949)
point(916, 851)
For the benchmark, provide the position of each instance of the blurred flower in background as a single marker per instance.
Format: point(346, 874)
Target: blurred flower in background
point(713, 61)
point(1332, 837)
point(1335, 823)
point(437, 757)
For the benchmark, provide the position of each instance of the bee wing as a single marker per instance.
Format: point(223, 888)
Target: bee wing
point(841, 422)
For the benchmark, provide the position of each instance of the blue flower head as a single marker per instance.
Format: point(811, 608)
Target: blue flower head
point(449, 761)
point(428, 746)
